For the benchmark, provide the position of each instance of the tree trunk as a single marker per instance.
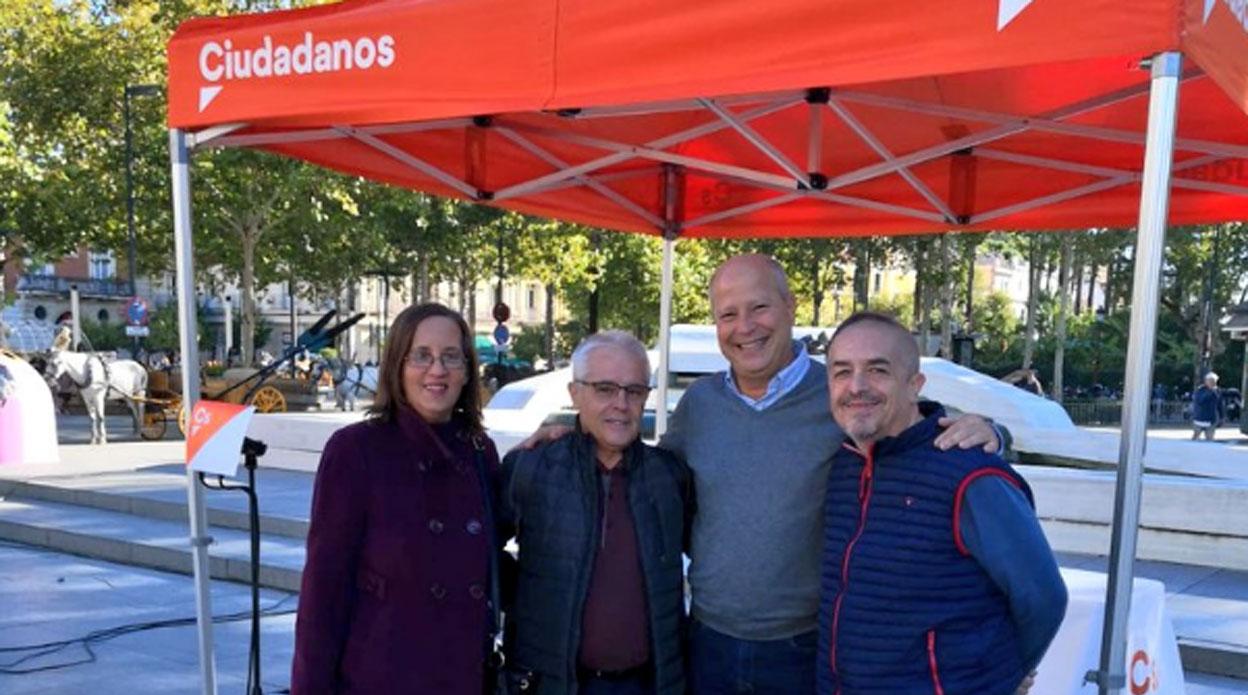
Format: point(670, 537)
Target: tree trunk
point(947, 291)
point(816, 299)
point(969, 316)
point(925, 323)
point(1033, 292)
point(550, 325)
point(1063, 306)
point(247, 322)
point(1092, 273)
point(862, 278)
point(1077, 282)
point(592, 328)
point(1109, 286)
point(423, 278)
point(920, 285)
point(294, 311)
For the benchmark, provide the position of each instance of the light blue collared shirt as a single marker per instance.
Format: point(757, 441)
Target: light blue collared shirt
point(781, 384)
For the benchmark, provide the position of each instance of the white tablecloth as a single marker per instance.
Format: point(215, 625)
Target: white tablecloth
point(1153, 666)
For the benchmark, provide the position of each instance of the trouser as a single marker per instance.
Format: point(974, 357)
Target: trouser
point(1208, 431)
point(724, 665)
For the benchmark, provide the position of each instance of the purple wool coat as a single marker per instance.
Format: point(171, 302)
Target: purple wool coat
point(395, 588)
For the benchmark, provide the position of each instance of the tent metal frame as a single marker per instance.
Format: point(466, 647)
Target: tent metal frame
point(790, 183)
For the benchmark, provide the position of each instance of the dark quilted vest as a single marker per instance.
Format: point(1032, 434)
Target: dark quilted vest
point(903, 610)
point(554, 494)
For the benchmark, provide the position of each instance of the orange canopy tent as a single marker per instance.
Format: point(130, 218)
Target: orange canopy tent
point(805, 118)
point(734, 118)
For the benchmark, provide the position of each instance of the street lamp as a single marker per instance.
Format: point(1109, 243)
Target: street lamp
point(132, 90)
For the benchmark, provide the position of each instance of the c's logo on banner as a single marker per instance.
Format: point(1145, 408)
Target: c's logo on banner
point(1142, 676)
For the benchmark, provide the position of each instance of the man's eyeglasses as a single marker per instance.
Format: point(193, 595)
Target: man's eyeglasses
point(424, 359)
point(609, 390)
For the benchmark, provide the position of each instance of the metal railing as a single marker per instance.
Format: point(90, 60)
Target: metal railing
point(1109, 412)
point(58, 285)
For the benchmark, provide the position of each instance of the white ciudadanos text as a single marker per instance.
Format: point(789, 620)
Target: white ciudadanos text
point(223, 61)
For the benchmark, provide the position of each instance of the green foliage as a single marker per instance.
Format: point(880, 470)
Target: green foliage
point(529, 343)
point(163, 330)
point(104, 336)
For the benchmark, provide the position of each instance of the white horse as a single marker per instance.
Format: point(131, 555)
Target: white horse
point(98, 382)
point(351, 378)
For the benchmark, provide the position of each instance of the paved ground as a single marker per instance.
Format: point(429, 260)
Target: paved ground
point(52, 597)
point(56, 598)
point(49, 596)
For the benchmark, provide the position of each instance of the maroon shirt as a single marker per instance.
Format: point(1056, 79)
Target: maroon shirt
point(615, 626)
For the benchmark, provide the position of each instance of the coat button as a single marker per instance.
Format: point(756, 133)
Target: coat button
point(476, 592)
point(435, 526)
point(438, 591)
point(474, 527)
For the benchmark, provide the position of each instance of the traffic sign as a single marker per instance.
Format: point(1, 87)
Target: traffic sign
point(502, 312)
point(138, 331)
point(501, 334)
point(137, 313)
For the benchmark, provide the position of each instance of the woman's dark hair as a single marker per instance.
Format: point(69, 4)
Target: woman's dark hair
point(390, 397)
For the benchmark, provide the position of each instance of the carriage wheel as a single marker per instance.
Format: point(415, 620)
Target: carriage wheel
point(269, 400)
point(183, 416)
point(153, 424)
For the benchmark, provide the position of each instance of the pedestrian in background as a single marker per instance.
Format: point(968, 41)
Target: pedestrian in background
point(1208, 412)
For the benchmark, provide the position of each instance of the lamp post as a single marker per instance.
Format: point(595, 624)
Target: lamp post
point(132, 90)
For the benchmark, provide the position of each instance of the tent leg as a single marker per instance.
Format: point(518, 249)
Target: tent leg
point(1149, 250)
point(673, 192)
point(180, 162)
point(665, 338)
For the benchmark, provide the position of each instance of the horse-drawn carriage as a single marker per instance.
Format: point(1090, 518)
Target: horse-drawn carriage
point(154, 394)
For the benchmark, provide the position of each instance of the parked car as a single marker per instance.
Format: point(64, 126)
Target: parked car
point(1232, 402)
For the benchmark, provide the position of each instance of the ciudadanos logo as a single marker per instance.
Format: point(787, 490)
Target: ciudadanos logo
point(223, 62)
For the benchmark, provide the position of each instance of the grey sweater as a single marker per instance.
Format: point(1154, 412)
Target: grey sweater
point(759, 478)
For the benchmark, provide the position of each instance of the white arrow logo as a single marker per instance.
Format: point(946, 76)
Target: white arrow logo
point(1209, 9)
point(207, 94)
point(1007, 10)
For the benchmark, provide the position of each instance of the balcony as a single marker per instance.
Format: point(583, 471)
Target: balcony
point(59, 286)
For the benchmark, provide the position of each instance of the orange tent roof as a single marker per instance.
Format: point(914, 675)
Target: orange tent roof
point(809, 117)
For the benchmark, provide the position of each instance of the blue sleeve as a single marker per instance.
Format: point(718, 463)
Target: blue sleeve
point(1000, 530)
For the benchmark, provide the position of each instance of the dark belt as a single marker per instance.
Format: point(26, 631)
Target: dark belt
point(643, 673)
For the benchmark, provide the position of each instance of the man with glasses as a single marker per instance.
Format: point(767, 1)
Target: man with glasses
point(600, 520)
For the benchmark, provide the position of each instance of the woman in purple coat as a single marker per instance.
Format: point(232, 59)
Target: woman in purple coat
point(396, 586)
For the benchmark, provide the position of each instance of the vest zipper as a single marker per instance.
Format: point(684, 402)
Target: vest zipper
point(864, 501)
point(932, 665)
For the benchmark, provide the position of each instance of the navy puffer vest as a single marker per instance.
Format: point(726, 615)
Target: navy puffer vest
point(904, 609)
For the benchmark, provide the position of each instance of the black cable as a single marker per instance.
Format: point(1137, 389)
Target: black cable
point(99, 636)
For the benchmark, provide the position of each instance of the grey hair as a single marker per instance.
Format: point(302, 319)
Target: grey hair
point(622, 340)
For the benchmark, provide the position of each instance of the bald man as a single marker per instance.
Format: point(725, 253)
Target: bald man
point(936, 574)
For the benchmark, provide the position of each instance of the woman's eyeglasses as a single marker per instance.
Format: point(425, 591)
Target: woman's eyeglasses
point(424, 359)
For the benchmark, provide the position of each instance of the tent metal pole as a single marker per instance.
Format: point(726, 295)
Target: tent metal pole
point(180, 163)
point(1149, 250)
point(672, 181)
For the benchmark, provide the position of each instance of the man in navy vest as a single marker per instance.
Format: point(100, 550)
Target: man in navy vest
point(936, 575)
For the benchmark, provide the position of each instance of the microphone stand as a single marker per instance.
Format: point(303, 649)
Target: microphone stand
point(252, 451)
